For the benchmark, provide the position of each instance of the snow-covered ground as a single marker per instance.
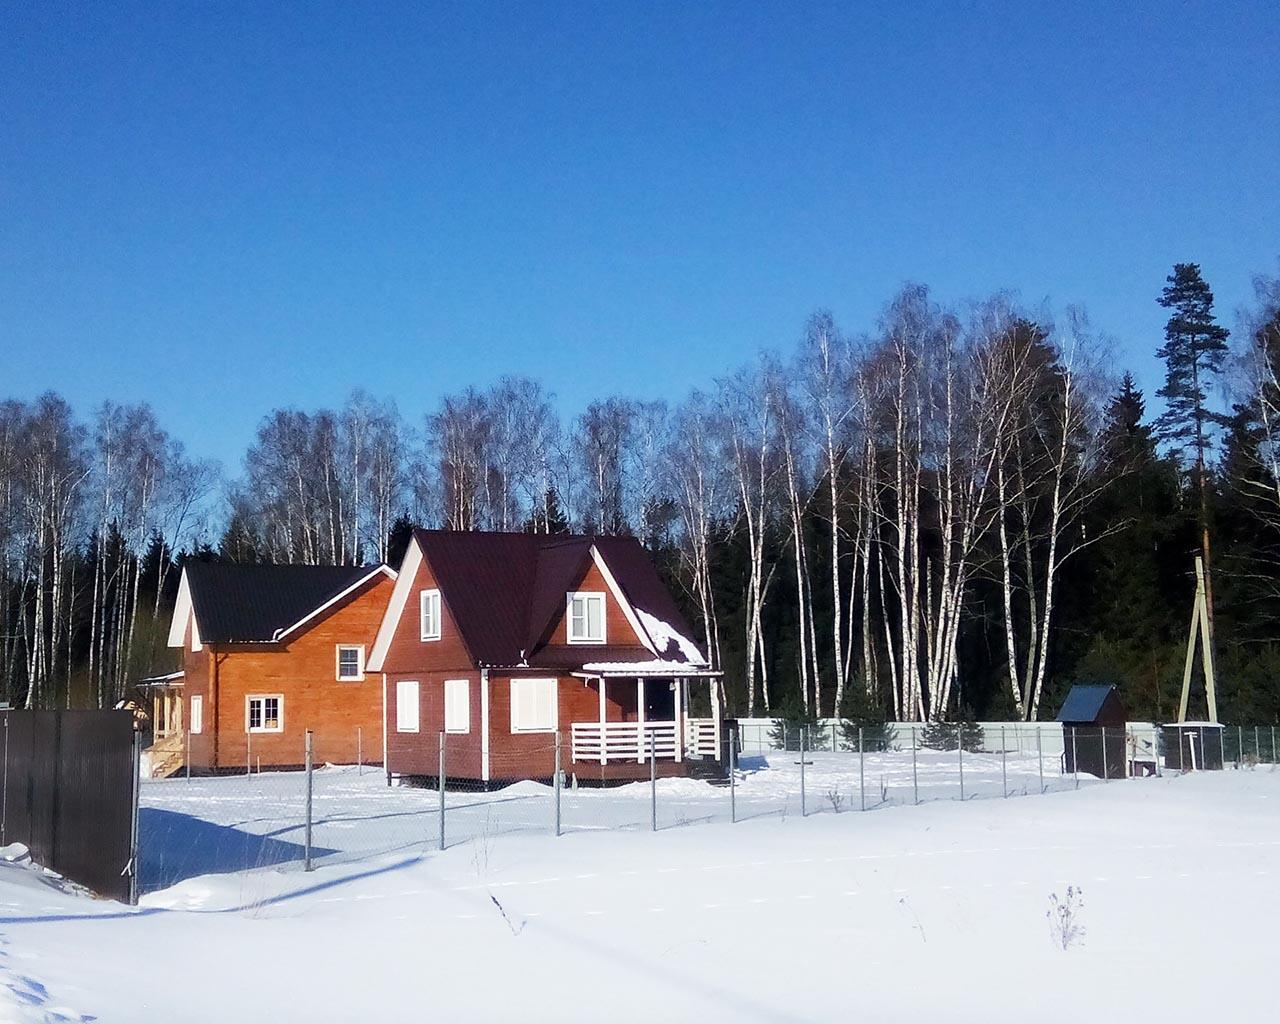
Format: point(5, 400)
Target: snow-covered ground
point(905, 913)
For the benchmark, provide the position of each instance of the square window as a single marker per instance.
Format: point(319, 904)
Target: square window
point(429, 615)
point(264, 714)
point(586, 617)
point(351, 662)
point(533, 705)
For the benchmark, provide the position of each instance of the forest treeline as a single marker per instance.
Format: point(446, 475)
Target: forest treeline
point(956, 514)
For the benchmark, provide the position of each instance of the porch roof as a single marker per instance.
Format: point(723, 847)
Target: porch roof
point(652, 669)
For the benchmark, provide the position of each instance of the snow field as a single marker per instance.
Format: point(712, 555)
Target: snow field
point(909, 913)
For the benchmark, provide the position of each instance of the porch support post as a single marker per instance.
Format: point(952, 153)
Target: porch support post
point(677, 695)
point(640, 718)
point(603, 746)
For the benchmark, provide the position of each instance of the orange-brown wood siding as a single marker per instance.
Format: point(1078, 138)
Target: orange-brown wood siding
point(342, 715)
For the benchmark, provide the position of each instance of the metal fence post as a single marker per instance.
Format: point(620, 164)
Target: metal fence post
point(1040, 758)
point(803, 810)
point(1222, 750)
point(359, 750)
point(1106, 768)
point(653, 783)
point(960, 755)
point(915, 775)
point(733, 775)
point(1273, 744)
point(1075, 758)
point(4, 787)
point(306, 856)
point(440, 783)
point(1257, 747)
point(557, 782)
point(133, 823)
point(1239, 745)
point(834, 746)
point(187, 758)
point(248, 752)
point(1004, 765)
point(862, 773)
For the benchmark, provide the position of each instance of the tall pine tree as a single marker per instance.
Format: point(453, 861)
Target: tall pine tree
point(1194, 350)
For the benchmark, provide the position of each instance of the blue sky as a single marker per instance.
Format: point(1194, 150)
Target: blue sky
point(224, 208)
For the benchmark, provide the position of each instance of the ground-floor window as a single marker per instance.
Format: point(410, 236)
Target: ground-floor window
point(533, 705)
point(197, 714)
point(265, 714)
point(457, 705)
point(407, 705)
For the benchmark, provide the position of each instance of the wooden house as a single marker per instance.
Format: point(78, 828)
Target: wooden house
point(507, 646)
point(269, 651)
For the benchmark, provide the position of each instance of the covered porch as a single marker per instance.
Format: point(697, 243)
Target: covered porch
point(648, 716)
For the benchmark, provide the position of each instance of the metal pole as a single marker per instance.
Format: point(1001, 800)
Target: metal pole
point(733, 772)
point(4, 786)
point(1106, 768)
point(133, 824)
point(1257, 747)
point(960, 755)
point(557, 782)
point(1075, 759)
point(440, 782)
point(1040, 758)
point(834, 747)
point(803, 810)
point(1239, 745)
point(306, 862)
point(359, 751)
point(187, 758)
point(1004, 765)
point(862, 774)
point(248, 753)
point(1273, 744)
point(915, 776)
point(653, 783)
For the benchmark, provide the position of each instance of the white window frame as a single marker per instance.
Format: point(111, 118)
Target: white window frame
point(195, 714)
point(432, 596)
point(248, 703)
point(402, 687)
point(337, 663)
point(586, 596)
point(460, 719)
point(516, 726)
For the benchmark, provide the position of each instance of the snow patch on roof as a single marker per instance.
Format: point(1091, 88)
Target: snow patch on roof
point(663, 635)
point(653, 667)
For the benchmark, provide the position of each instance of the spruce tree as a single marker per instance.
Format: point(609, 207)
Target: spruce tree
point(1194, 350)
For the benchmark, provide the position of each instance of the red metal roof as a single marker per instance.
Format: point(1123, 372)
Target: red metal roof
point(506, 591)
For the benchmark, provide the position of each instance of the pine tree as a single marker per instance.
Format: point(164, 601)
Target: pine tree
point(1194, 350)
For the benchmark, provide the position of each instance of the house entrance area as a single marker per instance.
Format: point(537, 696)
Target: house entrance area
point(644, 717)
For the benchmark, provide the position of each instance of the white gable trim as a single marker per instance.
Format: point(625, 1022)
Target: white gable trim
point(395, 607)
point(623, 603)
point(182, 612)
point(280, 634)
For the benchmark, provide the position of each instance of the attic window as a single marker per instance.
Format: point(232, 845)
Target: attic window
point(429, 615)
point(586, 617)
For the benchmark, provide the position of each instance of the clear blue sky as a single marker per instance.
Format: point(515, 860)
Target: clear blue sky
point(227, 208)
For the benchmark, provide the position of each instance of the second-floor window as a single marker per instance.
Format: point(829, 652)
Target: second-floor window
point(350, 662)
point(429, 615)
point(586, 617)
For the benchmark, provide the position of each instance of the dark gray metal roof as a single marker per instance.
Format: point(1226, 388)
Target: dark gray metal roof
point(1084, 702)
point(250, 603)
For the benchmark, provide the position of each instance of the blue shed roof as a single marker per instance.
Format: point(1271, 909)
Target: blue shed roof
point(1084, 702)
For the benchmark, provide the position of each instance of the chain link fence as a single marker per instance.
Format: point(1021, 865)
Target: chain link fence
point(354, 814)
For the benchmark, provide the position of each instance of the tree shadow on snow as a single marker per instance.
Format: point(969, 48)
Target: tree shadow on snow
point(173, 847)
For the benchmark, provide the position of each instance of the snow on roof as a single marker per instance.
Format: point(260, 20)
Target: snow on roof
point(161, 680)
point(663, 635)
point(654, 667)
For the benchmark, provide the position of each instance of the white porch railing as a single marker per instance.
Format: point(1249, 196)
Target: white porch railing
point(613, 742)
point(701, 737)
point(607, 742)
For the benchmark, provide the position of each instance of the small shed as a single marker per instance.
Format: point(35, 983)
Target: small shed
point(1193, 746)
point(1093, 731)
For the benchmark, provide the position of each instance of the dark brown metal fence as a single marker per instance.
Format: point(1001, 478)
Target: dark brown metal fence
point(69, 793)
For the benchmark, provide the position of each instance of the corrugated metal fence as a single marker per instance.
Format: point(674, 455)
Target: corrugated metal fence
point(69, 794)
